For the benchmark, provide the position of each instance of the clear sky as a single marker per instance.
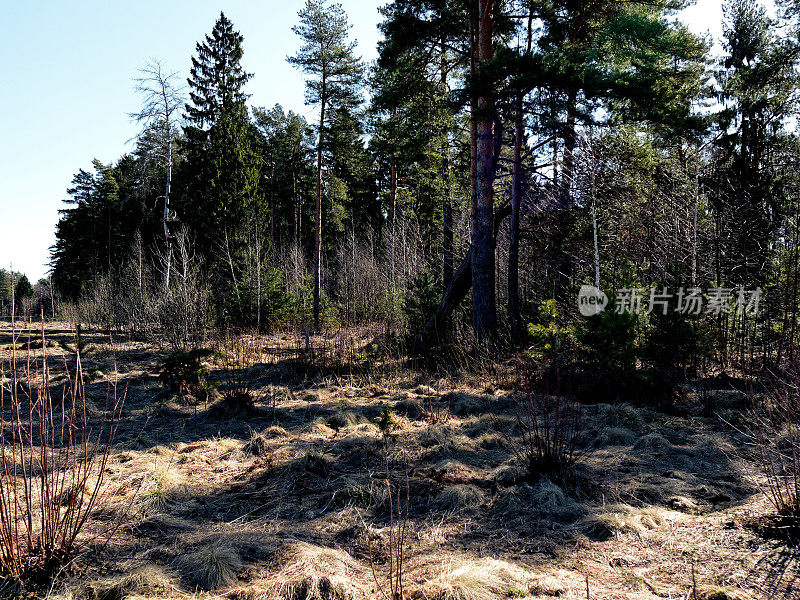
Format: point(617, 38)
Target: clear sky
point(66, 88)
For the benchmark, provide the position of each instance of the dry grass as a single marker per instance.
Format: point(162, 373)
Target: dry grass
point(460, 497)
point(211, 568)
point(616, 436)
point(618, 519)
point(485, 579)
point(722, 593)
point(310, 572)
point(145, 580)
point(215, 494)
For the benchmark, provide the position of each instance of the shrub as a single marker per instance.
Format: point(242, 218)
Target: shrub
point(53, 459)
point(608, 341)
point(672, 341)
point(551, 428)
point(775, 429)
point(420, 301)
point(238, 355)
point(550, 340)
point(186, 373)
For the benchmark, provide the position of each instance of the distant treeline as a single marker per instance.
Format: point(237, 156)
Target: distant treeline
point(516, 150)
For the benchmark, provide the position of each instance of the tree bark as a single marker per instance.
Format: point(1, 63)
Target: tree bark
point(456, 291)
point(513, 241)
point(484, 309)
point(318, 224)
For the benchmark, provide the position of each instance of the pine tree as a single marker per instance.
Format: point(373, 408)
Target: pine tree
point(328, 57)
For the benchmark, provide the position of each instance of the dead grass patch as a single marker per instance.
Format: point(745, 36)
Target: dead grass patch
point(211, 568)
point(460, 497)
point(616, 519)
point(485, 579)
point(723, 593)
point(311, 572)
point(148, 579)
point(652, 442)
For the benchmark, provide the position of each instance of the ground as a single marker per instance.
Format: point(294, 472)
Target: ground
point(297, 498)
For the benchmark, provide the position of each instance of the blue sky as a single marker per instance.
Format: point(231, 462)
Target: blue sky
point(67, 88)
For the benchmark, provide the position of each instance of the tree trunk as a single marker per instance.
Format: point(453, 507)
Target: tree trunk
point(513, 242)
point(167, 241)
point(318, 224)
point(447, 205)
point(456, 291)
point(484, 309)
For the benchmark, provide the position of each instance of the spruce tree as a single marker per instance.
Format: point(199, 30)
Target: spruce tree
point(221, 170)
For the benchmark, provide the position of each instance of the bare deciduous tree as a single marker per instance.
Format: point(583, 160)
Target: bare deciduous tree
point(161, 100)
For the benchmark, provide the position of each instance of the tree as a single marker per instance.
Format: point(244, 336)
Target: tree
point(220, 174)
point(286, 147)
point(23, 290)
point(488, 139)
point(161, 101)
point(328, 57)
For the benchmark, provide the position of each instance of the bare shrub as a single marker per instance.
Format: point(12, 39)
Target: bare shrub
point(551, 429)
point(774, 427)
point(237, 356)
point(186, 311)
point(53, 463)
point(392, 584)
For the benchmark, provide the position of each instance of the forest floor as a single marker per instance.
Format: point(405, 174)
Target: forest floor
point(291, 499)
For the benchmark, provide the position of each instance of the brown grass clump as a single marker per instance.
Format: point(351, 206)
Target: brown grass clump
point(459, 497)
point(364, 492)
point(149, 579)
point(616, 436)
point(259, 440)
point(545, 497)
point(312, 572)
point(442, 439)
point(618, 519)
point(722, 593)
point(550, 499)
point(619, 415)
point(464, 404)
point(652, 442)
point(211, 568)
point(342, 419)
point(162, 497)
point(547, 585)
point(486, 579)
point(424, 390)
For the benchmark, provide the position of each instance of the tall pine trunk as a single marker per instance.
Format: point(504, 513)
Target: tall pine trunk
point(513, 242)
point(318, 212)
point(484, 307)
point(447, 205)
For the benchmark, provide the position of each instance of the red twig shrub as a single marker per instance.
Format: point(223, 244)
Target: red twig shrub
point(53, 454)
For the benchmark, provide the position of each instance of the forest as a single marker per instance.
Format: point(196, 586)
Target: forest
point(509, 312)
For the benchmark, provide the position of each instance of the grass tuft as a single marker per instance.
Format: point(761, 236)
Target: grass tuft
point(211, 568)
